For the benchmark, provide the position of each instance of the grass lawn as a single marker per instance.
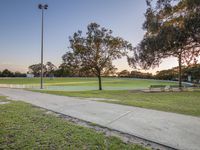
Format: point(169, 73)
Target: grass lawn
point(25, 127)
point(88, 83)
point(179, 102)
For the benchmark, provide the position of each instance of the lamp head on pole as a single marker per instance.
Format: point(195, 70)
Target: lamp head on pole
point(45, 6)
point(40, 6)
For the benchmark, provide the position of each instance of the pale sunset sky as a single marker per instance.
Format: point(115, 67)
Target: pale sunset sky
point(20, 28)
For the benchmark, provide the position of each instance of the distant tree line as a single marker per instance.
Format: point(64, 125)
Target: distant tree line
point(135, 74)
point(172, 74)
point(65, 70)
point(8, 73)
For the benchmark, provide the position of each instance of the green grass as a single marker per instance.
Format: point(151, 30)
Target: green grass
point(25, 127)
point(47, 81)
point(92, 82)
point(179, 102)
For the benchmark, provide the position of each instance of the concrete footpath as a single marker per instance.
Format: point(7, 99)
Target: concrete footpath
point(175, 130)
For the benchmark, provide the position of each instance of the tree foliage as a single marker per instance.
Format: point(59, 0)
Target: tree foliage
point(36, 69)
point(48, 69)
point(172, 74)
point(193, 71)
point(123, 73)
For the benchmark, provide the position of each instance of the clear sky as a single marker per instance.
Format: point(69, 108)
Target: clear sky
point(20, 28)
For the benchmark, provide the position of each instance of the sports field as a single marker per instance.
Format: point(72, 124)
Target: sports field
point(82, 84)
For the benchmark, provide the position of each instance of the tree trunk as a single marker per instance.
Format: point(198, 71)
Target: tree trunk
point(100, 85)
point(180, 71)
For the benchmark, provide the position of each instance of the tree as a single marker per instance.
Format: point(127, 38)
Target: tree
point(193, 71)
point(7, 73)
point(50, 68)
point(96, 50)
point(61, 72)
point(36, 69)
point(124, 73)
point(138, 74)
point(170, 74)
point(19, 74)
point(71, 64)
point(171, 30)
point(110, 71)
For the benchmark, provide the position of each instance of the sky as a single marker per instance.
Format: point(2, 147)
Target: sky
point(20, 28)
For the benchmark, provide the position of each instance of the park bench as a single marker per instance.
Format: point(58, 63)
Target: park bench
point(156, 87)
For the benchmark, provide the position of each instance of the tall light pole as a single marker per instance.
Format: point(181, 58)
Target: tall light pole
point(42, 7)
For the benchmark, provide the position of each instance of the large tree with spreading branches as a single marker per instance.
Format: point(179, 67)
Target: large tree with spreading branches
point(96, 50)
point(172, 29)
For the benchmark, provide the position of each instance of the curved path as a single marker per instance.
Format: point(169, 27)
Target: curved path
point(175, 130)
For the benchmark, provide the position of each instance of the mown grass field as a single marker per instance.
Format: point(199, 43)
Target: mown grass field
point(86, 83)
point(25, 127)
point(187, 103)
